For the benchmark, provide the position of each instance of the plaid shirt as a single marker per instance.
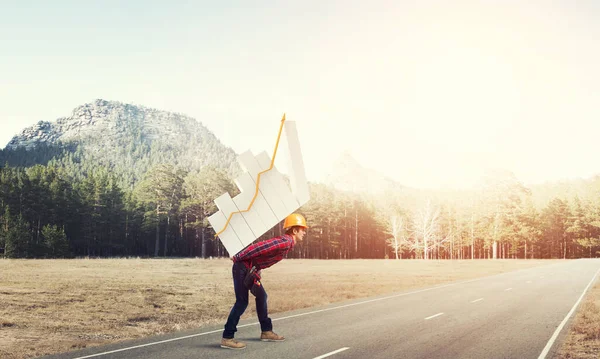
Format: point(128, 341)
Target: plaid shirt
point(266, 253)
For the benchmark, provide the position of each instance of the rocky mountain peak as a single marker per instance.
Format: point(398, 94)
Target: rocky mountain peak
point(121, 135)
point(107, 119)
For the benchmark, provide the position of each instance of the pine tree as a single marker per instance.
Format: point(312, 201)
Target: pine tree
point(18, 239)
point(201, 190)
point(162, 189)
point(55, 241)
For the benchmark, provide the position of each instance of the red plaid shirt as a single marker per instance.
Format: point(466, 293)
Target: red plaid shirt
point(265, 253)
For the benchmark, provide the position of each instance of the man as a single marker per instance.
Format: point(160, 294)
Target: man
point(261, 255)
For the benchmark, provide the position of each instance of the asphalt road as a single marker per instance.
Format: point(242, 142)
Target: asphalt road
point(521, 314)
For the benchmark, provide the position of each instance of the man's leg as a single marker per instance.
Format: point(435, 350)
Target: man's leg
point(262, 310)
point(239, 271)
point(266, 326)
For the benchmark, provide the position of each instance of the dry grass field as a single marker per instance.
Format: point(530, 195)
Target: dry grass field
point(52, 306)
point(583, 340)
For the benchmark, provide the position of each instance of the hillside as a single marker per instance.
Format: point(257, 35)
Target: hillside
point(127, 139)
point(347, 174)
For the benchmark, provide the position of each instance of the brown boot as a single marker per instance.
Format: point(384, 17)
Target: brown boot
point(271, 337)
point(232, 344)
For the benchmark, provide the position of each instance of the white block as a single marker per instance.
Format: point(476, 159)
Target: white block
point(237, 222)
point(278, 183)
point(250, 165)
point(229, 238)
point(298, 181)
point(259, 207)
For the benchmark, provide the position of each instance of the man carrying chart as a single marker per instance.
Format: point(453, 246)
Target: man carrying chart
point(247, 265)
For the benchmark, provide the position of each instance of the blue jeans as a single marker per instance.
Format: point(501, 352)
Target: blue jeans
point(239, 272)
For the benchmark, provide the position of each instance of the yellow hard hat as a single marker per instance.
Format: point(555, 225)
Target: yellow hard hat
point(294, 219)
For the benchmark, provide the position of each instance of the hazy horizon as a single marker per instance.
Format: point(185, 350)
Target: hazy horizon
point(438, 93)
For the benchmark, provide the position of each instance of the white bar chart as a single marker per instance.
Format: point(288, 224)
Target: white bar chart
point(273, 198)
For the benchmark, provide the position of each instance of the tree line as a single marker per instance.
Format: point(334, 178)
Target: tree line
point(501, 218)
point(58, 211)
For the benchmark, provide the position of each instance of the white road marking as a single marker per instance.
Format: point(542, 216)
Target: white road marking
point(154, 343)
point(507, 289)
point(330, 354)
point(308, 313)
point(542, 277)
point(433, 316)
point(476, 300)
point(562, 324)
point(528, 281)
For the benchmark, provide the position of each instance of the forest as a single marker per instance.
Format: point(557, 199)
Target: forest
point(68, 209)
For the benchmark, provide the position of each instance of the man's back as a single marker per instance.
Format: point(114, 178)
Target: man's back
point(265, 253)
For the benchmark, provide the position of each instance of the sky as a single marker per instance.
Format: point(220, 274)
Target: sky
point(429, 93)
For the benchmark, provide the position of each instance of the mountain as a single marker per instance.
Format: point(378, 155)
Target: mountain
point(126, 138)
point(347, 174)
point(583, 188)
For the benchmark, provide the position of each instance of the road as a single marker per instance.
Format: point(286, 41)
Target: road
point(521, 314)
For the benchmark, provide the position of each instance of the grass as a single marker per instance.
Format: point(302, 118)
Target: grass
point(54, 306)
point(583, 340)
